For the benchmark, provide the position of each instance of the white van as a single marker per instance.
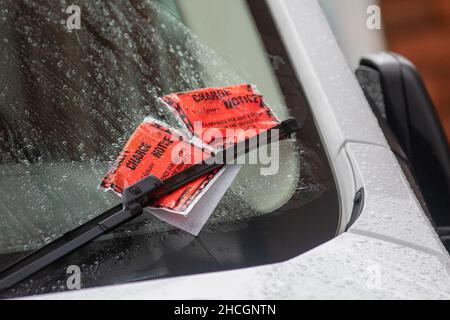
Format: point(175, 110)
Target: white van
point(340, 219)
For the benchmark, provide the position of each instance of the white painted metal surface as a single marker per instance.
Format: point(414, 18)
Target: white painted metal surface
point(351, 266)
point(390, 252)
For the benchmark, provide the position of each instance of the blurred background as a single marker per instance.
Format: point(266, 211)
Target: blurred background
point(416, 29)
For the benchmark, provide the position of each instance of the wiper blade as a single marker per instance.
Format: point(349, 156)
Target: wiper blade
point(134, 199)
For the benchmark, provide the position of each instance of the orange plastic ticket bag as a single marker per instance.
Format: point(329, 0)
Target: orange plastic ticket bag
point(212, 112)
point(154, 149)
point(151, 148)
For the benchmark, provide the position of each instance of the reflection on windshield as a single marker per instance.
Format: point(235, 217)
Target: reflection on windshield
point(69, 101)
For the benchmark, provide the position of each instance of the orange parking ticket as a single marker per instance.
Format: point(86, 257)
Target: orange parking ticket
point(235, 107)
point(158, 150)
point(154, 149)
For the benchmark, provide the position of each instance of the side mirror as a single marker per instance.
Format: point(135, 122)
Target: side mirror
point(403, 103)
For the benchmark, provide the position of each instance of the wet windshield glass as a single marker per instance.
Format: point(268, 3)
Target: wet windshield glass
point(70, 98)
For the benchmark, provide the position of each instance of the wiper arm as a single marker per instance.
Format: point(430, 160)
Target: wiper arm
point(134, 199)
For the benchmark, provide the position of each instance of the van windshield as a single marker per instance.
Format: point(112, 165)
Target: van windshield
point(73, 90)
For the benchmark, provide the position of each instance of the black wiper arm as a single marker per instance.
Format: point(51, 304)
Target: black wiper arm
point(134, 199)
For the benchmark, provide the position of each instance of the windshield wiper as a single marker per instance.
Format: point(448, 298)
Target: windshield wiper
point(134, 199)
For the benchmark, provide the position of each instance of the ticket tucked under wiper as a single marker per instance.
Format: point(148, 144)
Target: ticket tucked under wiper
point(211, 119)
